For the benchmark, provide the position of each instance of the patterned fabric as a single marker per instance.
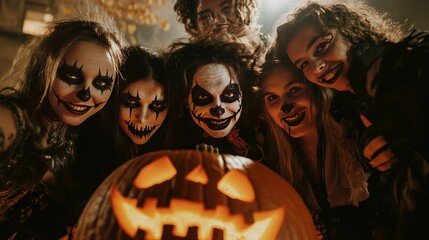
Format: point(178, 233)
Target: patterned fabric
point(12, 166)
point(24, 199)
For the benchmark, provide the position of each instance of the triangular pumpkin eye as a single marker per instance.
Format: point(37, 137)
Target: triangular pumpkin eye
point(198, 175)
point(156, 172)
point(235, 184)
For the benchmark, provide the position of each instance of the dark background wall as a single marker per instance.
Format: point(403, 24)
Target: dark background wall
point(12, 12)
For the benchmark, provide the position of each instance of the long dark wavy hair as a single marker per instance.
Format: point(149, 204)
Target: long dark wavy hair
point(358, 23)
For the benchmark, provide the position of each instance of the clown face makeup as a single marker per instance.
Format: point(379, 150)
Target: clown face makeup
point(288, 102)
point(83, 83)
point(215, 100)
point(322, 57)
point(142, 110)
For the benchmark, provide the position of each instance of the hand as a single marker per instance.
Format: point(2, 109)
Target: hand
point(379, 154)
point(206, 148)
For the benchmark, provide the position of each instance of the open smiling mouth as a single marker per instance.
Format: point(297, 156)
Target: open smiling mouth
point(76, 109)
point(140, 132)
point(294, 120)
point(216, 124)
point(332, 75)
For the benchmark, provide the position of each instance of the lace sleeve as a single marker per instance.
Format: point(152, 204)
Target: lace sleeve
point(12, 134)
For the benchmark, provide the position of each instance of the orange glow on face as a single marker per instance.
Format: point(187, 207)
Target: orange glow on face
point(183, 214)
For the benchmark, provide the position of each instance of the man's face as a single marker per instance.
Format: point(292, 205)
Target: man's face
point(83, 83)
point(142, 110)
point(215, 100)
point(214, 12)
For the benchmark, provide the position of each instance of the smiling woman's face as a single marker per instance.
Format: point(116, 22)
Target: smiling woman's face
point(323, 57)
point(83, 83)
point(215, 100)
point(288, 101)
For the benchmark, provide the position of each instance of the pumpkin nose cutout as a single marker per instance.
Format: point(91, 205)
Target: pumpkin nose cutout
point(84, 94)
point(217, 111)
point(287, 107)
point(198, 175)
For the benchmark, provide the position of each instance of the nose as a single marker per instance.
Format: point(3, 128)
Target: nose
point(143, 114)
point(217, 111)
point(318, 66)
point(84, 94)
point(287, 107)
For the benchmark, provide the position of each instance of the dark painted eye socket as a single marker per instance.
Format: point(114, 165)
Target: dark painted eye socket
point(70, 74)
point(158, 106)
point(231, 93)
point(130, 101)
point(103, 83)
point(200, 96)
point(323, 46)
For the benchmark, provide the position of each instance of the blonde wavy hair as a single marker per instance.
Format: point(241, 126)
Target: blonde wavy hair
point(285, 154)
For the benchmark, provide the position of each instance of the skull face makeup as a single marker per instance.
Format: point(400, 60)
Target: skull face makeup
point(215, 100)
point(142, 109)
point(83, 83)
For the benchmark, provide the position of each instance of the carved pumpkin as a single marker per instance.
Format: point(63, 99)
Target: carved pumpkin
point(188, 194)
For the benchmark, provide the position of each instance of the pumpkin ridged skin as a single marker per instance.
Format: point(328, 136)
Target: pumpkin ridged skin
point(272, 191)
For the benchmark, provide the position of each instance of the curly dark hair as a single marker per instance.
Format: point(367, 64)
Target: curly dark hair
point(361, 25)
point(245, 12)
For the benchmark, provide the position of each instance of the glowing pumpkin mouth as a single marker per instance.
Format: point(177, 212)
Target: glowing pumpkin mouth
point(183, 214)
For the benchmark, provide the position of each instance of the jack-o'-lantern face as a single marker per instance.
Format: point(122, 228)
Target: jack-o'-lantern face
point(202, 196)
point(183, 213)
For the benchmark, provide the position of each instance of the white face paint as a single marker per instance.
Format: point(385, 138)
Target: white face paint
point(142, 110)
point(83, 83)
point(215, 100)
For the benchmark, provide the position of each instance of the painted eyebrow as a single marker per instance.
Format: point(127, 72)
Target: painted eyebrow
point(312, 41)
point(285, 86)
point(230, 86)
point(73, 67)
point(129, 96)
